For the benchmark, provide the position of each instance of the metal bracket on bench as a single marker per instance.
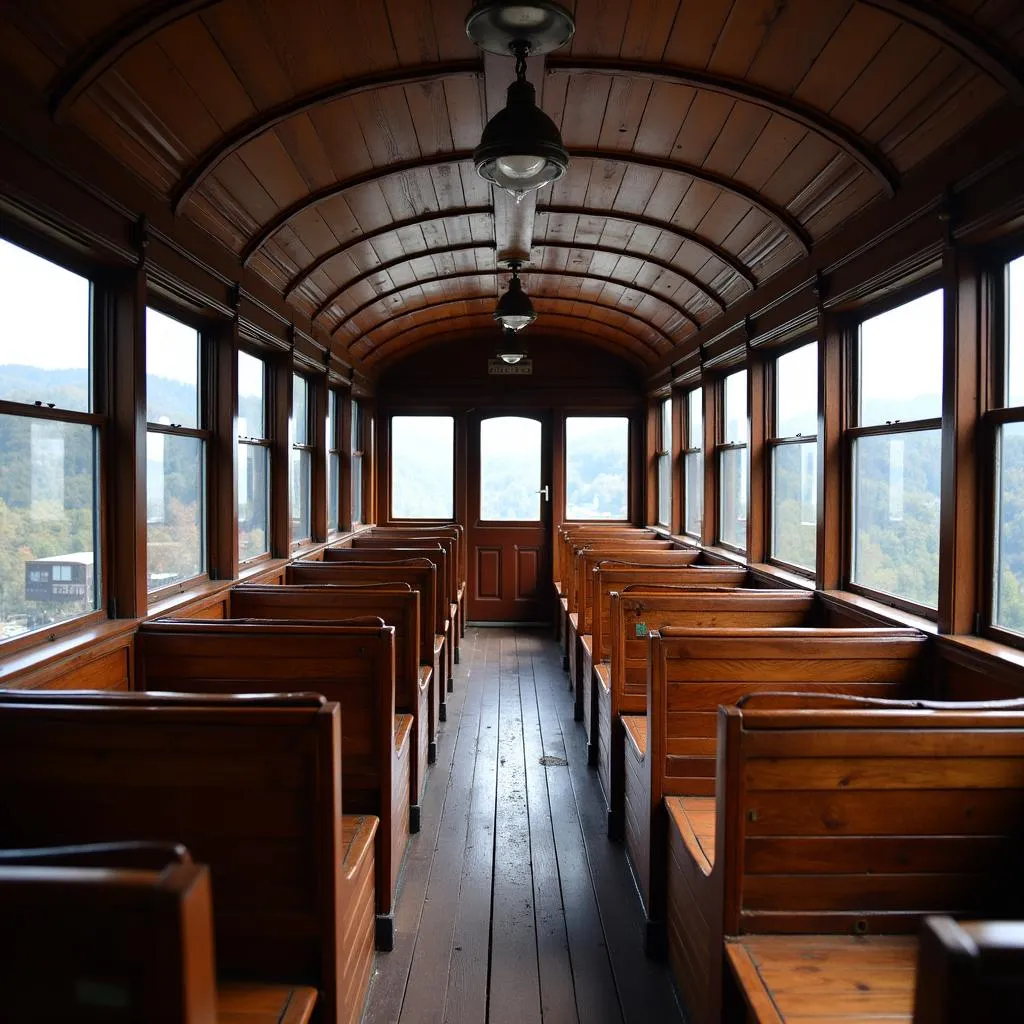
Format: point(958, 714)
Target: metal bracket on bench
point(414, 818)
point(384, 933)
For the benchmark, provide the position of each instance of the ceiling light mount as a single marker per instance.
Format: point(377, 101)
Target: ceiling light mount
point(498, 25)
point(515, 310)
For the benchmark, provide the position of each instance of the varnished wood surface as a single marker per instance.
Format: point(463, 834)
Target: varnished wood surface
point(513, 858)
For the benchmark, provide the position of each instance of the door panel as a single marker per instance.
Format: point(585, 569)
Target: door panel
point(509, 518)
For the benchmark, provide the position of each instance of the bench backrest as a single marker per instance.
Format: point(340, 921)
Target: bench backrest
point(327, 603)
point(430, 530)
point(353, 665)
point(430, 549)
point(418, 573)
point(693, 671)
point(567, 532)
point(406, 541)
point(865, 819)
point(625, 549)
point(635, 616)
point(91, 944)
point(969, 971)
point(253, 791)
point(590, 558)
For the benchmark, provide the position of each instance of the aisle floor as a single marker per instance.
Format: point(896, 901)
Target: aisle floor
point(514, 905)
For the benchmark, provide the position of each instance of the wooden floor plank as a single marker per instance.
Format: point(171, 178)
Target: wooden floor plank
point(515, 980)
point(557, 994)
point(467, 985)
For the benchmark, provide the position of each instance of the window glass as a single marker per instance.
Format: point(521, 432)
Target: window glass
point(693, 468)
point(174, 508)
point(1009, 566)
point(896, 514)
point(596, 467)
point(45, 332)
point(733, 529)
point(795, 503)
point(253, 501)
point(736, 408)
point(357, 462)
point(251, 400)
point(796, 392)
point(172, 371)
point(665, 465)
point(695, 418)
point(301, 482)
point(510, 468)
point(333, 462)
point(1015, 332)
point(299, 423)
point(48, 523)
point(422, 467)
point(901, 363)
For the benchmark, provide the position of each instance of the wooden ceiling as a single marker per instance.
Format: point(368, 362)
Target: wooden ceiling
point(328, 144)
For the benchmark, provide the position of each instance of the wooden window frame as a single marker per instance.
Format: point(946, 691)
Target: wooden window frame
point(723, 446)
point(688, 448)
point(310, 447)
point(357, 462)
point(774, 441)
point(206, 416)
point(854, 431)
point(263, 440)
point(664, 452)
point(335, 449)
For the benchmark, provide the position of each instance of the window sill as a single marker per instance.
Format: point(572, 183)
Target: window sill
point(791, 579)
point(46, 652)
point(883, 612)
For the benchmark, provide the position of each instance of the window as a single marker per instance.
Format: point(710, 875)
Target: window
point(664, 457)
point(896, 453)
point(253, 459)
point(510, 469)
point(300, 469)
point(356, 467)
point(422, 467)
point(597, 467)
point(1008, 549)
point(693, 464)
point(175, 453)
point(794, 458)
point(732, 454)
point(333, 461)
point(49, 440)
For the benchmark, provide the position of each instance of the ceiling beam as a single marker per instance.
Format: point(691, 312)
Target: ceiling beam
point(581, 275)
point(629, 354)
point(543, 243)
point(255, 126)
point(629, 348)
point(964, 35)
point(366, 336)
point(855, 146)
point(112, 44)
point(768, 207)
point(723, 255)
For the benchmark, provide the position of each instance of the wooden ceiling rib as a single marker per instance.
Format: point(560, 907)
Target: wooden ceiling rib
point(328, 146)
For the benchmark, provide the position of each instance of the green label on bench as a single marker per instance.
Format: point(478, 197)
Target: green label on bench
point(641, 629)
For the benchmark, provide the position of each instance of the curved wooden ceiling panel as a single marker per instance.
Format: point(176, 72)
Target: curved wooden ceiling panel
point(330, 148)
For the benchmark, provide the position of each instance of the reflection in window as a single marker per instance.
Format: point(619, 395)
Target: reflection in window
point(175, 453)
point(422, 467)
point(794, 458)
point(596, 467)
point(664, 457)
point(896, 472)
point(693, 464)
point(253, 460)
point(733, 467)
point(510, 468)
point(300, 468)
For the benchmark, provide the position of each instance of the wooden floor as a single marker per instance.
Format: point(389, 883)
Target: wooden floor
point(514, 905)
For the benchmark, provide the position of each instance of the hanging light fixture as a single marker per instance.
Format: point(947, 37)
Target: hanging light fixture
point(515, 310)
point(511, 351)
point(521, 148)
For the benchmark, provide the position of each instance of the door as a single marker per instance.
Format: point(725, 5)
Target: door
point(509, 517)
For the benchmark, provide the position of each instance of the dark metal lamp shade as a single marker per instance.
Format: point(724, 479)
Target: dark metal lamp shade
point(515, 310)
point(498, 25)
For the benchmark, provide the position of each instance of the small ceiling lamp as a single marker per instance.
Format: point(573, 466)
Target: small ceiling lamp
point(515, 310)
point(521, 148)
point(512, 351)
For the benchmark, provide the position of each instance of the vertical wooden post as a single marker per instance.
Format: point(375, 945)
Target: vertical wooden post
point(649, 445)
point(370, 458)
point(460, 508)
point(758, 490)
point(223, 505)
point(959, 534)
point(126, 481)
point(831, 405)
point(712, 395)
point(280, 457)
point(676, 462)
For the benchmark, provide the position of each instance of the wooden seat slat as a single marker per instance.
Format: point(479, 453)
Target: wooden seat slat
point(241, 1003)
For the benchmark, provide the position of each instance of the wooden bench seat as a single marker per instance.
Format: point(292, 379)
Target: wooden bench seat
point(398, 605)
point(841, 817)
point(251, 787)
point(353, 665)
point(694, 817)
point(418, 573)
point(693, 671)
point(621, 687)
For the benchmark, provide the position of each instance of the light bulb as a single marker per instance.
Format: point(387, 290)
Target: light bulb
point(515, 322)
point(510, 357)
point(522, 167)
point(522, 16)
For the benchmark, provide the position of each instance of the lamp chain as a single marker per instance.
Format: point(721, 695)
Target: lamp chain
point(521, 49)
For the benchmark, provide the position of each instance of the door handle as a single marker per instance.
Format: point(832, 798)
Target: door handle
point(545, 490)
